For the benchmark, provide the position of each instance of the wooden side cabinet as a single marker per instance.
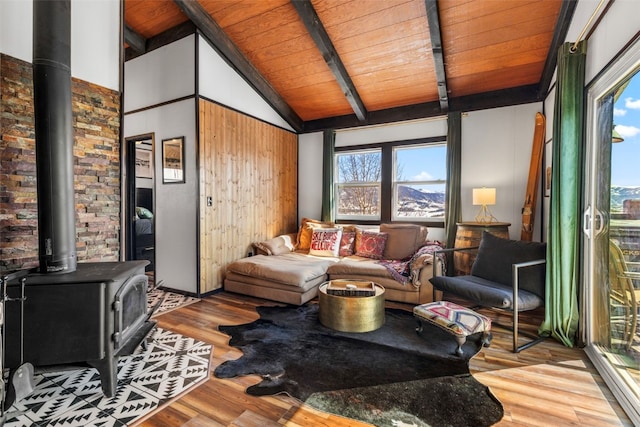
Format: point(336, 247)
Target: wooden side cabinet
point(468, 234)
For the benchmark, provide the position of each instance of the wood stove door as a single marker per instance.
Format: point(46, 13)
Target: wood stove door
point(130, 309)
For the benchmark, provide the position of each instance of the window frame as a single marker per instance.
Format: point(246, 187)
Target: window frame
point(395, 183)
point(337, 184)
point(387, 181)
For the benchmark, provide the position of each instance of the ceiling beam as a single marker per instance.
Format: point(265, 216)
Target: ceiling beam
point(480, 101)
point(389, 115)
point(166, 37)
point(438, 56)
point(234, 57)
point(321, 38)
point(559, 35)
point(496, 99)
point(134, 40)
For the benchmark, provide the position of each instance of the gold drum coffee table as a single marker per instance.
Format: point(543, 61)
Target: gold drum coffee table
point(351, 313)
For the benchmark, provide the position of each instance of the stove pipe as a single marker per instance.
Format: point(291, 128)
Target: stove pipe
point(54, 135)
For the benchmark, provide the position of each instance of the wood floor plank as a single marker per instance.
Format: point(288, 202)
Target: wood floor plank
point(547, 384)
point(251, 419)
point(201, 421)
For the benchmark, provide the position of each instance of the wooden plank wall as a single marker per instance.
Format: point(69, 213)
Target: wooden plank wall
point(249, 169)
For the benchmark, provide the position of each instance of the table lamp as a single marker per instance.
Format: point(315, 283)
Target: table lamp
point(484, 197)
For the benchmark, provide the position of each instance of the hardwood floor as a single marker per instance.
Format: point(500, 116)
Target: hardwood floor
point(546, 385)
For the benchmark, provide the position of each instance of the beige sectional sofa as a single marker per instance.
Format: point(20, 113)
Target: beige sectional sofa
point(289, 269)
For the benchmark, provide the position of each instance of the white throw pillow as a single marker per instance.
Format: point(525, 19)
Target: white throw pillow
point(325, 242)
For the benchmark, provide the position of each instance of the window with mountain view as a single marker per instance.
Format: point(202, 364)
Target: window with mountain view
point(413, 190)
point(419, 185)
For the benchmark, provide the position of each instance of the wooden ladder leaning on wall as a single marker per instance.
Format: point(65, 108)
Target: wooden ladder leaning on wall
point(528, 210)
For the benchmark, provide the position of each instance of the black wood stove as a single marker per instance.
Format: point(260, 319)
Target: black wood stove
point(90, 316)
point(73, 313)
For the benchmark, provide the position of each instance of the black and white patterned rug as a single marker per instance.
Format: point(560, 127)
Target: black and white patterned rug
point(171, 365)
point(170, 300)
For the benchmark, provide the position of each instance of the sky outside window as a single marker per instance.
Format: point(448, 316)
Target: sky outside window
point(625, 156)
point(427, 164)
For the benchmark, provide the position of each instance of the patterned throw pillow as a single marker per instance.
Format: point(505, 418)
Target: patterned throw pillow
point(370, 244)
point(347, 243)
point(325, 242)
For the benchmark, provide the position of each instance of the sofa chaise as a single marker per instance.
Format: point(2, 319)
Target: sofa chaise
point(290, 268)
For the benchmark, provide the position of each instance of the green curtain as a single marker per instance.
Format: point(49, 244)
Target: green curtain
point(563, 240)
point(328, 150)
point(452, 202)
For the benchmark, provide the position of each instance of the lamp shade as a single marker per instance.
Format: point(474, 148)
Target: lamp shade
point(484, 196)
point(615, 136)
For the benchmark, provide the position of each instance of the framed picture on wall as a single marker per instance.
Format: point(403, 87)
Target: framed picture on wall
point(548, 155)
point(144, 164)
point(173, 160)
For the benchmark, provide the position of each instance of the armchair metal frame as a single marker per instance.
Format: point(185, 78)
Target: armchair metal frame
point(535, 339)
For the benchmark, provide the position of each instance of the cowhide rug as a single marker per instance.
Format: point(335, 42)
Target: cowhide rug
point(388, 377)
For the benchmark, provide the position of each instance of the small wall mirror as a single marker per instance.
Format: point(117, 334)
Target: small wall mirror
point(173, 160)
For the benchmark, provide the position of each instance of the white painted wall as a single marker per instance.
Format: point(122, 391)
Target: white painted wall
point(95, 44)
point(548, 111)
point(310, 175)
point(176, 216)
point(16, 29)
point(162, 75)
point(496, 152)
point(412, 129)
point(220, 82)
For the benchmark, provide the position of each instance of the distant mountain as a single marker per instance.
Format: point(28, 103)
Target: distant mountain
point(410, 193)
point(413, 202)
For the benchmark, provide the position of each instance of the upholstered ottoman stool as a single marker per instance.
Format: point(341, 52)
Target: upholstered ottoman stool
point(457, 320)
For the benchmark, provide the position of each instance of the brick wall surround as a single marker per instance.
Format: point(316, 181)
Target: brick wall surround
point(96, 122)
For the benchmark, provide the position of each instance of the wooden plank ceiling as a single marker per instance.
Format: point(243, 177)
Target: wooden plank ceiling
point(338, 63)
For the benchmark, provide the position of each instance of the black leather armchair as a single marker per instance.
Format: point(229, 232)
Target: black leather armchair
point(506, 274)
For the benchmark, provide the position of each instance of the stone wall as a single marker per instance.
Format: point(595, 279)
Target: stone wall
point(96, 122)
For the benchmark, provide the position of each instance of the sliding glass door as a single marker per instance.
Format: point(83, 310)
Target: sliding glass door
point(612, 229)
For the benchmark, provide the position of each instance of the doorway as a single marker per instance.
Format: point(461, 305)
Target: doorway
point(612, 229)
point(140, 197)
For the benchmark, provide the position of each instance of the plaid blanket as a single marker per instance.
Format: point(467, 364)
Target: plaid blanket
point(405, 271)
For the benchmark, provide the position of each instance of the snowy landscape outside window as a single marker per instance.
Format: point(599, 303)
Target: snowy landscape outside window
point(412, 189)
point(419, 182)
point(358, 181)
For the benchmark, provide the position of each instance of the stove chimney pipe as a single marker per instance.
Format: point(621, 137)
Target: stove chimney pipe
point(54, 135)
